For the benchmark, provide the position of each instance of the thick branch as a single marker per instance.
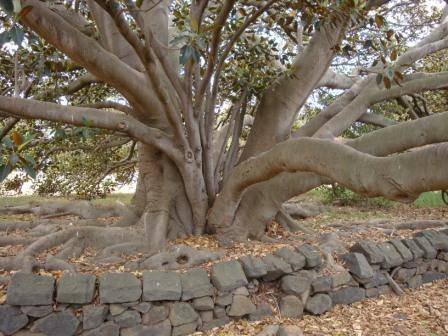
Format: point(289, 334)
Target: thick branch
point(32, 109)
point(401, 177)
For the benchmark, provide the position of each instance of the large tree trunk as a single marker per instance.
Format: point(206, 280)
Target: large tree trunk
point(160, 200)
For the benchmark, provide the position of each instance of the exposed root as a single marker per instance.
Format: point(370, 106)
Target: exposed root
point(289, 224)
point(415, 225)
point(303, 210)
point(73, 248)
point(82, 209)
point(395, 287)
point(74, 240)
point(177, 257)
point(14, 240)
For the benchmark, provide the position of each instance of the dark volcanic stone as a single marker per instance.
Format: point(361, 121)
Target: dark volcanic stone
point(391, 256)
point(433, 276)
point(75, 288)
point(321, 284)
point(347, 295)
point(291, 306)
point(318, 304)
point(30, 290)
point(57, 324)
point(119, 288)
point(161, 286)
point(296, 260)
point(438, 239)
point(405, 253)
point(253, 267)
point(241, 306)
point(155, 315)
point(276, 267)
point(313, 258)
point(37, 311)
point(263, 310)
point(370, 250)
point(11, 320)
point(182, 313)
point(295, 284)
point(93, 316)
point(228, 275)
point(416, 251)
point(106, 329)
point(357, 264)
point(195, 283)
point(425, 245)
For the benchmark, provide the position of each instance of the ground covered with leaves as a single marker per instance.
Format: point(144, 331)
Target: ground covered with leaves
point(418, 312)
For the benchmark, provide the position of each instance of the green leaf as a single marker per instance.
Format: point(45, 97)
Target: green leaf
point(138, 3)
point(186, 53)
point(7, 6)
point(29, 159)
point(17, 35)
point(30, 171)
point(5, 170)
point(5, 37)
point(8, 143)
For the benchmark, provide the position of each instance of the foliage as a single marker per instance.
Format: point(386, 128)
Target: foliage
point(337, 195)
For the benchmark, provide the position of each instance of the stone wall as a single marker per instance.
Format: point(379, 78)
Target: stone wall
point(170, 303)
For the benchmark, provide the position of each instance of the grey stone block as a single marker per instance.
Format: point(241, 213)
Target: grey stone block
point(438, 239)
point(433, 276)
point(93, 316)
point(182, 313)
point(216, 323)
point(347, 295)
point(185, 329)
point(312, 256)
point(425, 245)
point(295, 284)
point(11, 319)
point(161, 286)
point(195, 283)
point(30, 290)
point(37, 311)
point(224, 300)
point(119, 288)
point(296, 260)
point(318, 304)
point(161, 329)
point(155, 315)
point(241, 306)
point(263, 310)
point(128, 319)
point(370, 250)
point(291, 306)
point(415, 282)
point(57, 324)
point(416, 251)
point(228, 275)
point(276, 267)
point(321, 284)
point(106, 329)
point(404, 274)
point(405, 253)
point(75, 288)
point(203, 303)
point(391, 256)
point(357, 264)
point(253, 267)
point(340, 278)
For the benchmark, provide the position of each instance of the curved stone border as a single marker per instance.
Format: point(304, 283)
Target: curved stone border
point(170, 303)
